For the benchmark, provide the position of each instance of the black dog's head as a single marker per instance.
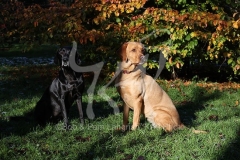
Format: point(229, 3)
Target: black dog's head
point(62, 57)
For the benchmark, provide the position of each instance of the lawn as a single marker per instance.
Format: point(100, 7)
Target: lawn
point(203, 106)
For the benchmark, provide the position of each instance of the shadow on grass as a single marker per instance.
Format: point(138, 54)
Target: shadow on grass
point(21, 83)
point(100, 110)
point(24, 81)
point(17, 125)
point(103, 148)
point(232, 150)
point(187, 109)
point(22, 125)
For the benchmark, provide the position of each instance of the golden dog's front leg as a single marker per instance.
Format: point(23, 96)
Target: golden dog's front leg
point(136, 114)
point(125, 117)
point(136, 117)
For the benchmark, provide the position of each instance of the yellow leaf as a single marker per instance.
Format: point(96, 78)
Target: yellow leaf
point(138, 5)
point(142, 30)
point(104, 14)
point(121, 8)
point(199, 18)
point(219, 28)
point(208, 48)
point(215, 22)
point(178, 65)
point(199, 131)
point(193, 34)
point(132, 9)
point(107, 28)
point(237, 103)
point(236, 24)
point(95, 20)
point(170, 60)
point(99, 8)
point(103, 1)
point(235, 14)
point(227, 54)
point(238, 60)
point(117, 14)
point(174, 51)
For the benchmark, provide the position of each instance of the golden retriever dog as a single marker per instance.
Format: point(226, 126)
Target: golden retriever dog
point(141, 93)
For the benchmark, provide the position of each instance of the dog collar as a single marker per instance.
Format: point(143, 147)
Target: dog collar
point(126, 72)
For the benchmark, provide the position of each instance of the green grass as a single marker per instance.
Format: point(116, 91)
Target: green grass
point(203, 106)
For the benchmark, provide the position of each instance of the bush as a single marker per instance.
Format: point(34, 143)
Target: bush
point(185, 31)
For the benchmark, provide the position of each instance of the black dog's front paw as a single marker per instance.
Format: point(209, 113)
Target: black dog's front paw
point(82, 121)
point(67, 127)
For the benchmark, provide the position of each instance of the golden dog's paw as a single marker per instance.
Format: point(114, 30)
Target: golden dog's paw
point(134, 128)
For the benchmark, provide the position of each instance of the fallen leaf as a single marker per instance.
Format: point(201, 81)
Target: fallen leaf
point(140, 158)
point(128, 156)
point(237, 103)
point(82, 139)
point(222, 136)
point(199, 131)
point(213, 118)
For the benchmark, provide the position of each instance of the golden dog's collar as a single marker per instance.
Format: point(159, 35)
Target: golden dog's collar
point(136, 68)
point(126, 72)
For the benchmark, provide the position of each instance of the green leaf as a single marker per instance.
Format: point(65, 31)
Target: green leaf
point(238, 60)
point(188, 37)
point(230, 61)
point(118, 20)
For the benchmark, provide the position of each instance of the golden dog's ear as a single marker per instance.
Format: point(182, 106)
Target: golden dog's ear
point(122, 52)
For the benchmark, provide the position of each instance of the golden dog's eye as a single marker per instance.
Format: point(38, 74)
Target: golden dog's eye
point(134, 50)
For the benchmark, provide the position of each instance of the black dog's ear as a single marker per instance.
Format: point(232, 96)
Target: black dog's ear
point(58, 57)
point(77, 58)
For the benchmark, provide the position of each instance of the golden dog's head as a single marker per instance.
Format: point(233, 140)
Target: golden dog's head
point(132, 53)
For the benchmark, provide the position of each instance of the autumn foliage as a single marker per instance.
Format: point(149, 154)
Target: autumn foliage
point(187, 32)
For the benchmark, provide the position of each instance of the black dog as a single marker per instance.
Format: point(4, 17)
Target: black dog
point(64, 90)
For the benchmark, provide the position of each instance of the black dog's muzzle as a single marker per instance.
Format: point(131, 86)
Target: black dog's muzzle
point(65, 63)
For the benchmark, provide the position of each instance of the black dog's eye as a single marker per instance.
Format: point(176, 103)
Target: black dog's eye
point(61, 52)
point(134, 50)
